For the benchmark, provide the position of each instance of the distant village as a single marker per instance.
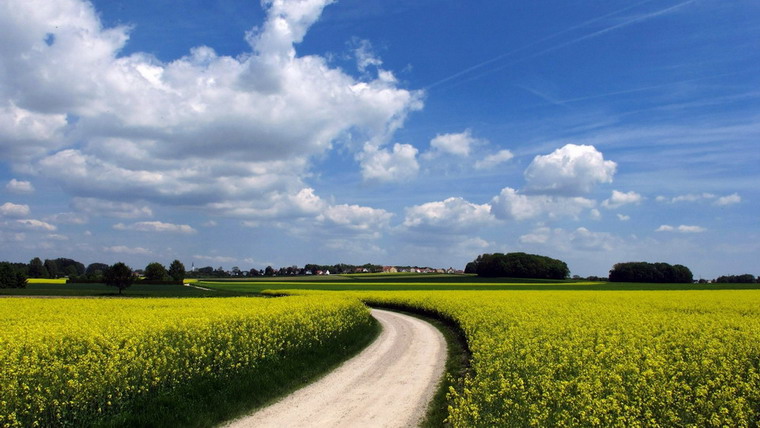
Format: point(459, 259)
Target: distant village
point(314, 269)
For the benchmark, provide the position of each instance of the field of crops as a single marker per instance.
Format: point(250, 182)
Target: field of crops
point(71, 361)
point(589, 358)
point(548, 355)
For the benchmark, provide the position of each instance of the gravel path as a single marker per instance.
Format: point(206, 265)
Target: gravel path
point(389, 384)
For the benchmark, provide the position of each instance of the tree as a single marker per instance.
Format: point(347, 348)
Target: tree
point(69, 267)
point(471, 267)
point(120, 276)
point(177, 271)
point(52, 268)
point(37, 269)
point(155, 272)
point(11, 276)
point(269, 271)
point(650, 272)
point(519, 265)
point(95, 270)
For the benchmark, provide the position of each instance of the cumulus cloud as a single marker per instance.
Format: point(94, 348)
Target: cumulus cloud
point(618, 199)
point(389, 166)
point(513, 205)
point(457, 144)
point(274, 205)
point(681, 229)
point(99, 207)
point(494, 160)
point(569, 171)
point(623, 217)
point(728, 200)
point(17, 186)
point(32, 224)
point(453, 215)
point(156, 226)
point(580, 239)
point(358, 221)
point(10, 209)
point(201, 129)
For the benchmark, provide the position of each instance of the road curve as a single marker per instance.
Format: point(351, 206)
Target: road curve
point(389, 384)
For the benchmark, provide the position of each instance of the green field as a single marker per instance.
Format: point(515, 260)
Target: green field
point(101, 290)
point(358, 282)
point(423, 282)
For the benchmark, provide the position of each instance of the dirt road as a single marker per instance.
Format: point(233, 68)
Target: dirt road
point(389, 384)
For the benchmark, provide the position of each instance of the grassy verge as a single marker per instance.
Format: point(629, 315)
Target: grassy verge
point(102, 290)
point(457, 360)
point(210, 402)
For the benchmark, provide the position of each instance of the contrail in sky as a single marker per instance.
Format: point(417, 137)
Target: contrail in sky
point(561, 45)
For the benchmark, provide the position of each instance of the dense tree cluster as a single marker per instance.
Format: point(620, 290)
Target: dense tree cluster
point(518, 265)
point(13, 275)
point(741, 279)
point(58, 268)
point(650, 272)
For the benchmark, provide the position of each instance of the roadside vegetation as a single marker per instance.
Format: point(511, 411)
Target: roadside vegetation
point(570, 358)
point(165, 362)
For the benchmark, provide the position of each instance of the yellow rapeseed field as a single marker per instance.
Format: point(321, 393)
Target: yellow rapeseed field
point(609, 358)
point(67, 361)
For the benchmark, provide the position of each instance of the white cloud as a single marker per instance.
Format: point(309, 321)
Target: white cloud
point(618, 199)
point(57, 237)
point(273, 205)
point(98, 207)
point(23, 133)
point(495, 159)
point(728, 200)
point(156, 226)
point(681, 229)
point(690, 197)
point(216, 259)
point(16, 186)
point(358, 221)
point(32, 224)
point(458, 144)
point(538, 236)
point(510, 204)
point(623, 217)
point(10, 209)
point(568, 171)
point(581, 239)
point(733, 198)
point(691, 229)
point(67, 218)
point(365, 57)
point(201, 129)
point(453, 215)
point(122, 249)
point(386, 166)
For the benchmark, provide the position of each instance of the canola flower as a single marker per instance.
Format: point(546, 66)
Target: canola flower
point(70, 361)
point(590, 358)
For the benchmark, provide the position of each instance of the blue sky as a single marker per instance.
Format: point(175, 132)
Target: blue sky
point(237, 133)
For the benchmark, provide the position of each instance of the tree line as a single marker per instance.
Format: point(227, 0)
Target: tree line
point(308, 269)
point(522, 265)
